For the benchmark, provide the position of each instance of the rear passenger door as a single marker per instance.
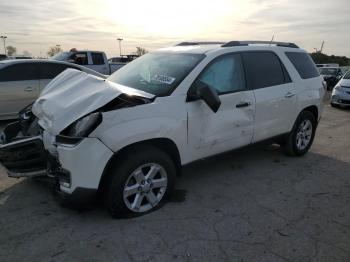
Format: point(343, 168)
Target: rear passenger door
point(19, 86)
point(275, 94)
point(48, 71)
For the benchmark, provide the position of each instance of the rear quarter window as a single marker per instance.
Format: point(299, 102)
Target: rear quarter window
point(304, 64)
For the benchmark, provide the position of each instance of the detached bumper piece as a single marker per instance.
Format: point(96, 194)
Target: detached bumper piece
point(22, 156)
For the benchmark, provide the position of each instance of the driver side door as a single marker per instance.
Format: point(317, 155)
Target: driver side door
point(231, 126)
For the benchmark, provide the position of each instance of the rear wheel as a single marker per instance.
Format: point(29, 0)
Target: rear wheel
point(301, 137)
point(141, 181)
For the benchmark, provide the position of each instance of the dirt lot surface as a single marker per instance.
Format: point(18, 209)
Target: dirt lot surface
point(254, 204)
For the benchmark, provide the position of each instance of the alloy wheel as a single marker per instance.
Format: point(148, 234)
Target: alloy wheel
point(145, 187)
point(304, 134)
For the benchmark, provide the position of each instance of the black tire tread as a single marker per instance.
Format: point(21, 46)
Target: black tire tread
point(290, 147)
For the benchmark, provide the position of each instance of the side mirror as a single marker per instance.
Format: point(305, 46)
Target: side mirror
point(208, 95)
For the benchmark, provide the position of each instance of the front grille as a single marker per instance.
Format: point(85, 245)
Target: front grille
point(24, 156)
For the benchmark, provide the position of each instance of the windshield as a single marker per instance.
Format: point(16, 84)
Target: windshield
point(156, 73)
point(328, 71)
point(347, 75)
point(61, 56)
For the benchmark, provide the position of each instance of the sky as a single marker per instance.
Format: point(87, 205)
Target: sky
point(35, 25)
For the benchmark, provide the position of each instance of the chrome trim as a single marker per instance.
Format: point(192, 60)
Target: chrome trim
point(29, 174)
point(21, 141)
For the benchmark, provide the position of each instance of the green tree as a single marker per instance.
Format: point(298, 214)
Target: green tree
point(140, 51)
point(53, 50)
point(11, 50)
point(26, 53)
point(320, 58)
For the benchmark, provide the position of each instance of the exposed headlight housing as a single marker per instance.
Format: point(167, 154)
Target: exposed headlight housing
point(84, 126)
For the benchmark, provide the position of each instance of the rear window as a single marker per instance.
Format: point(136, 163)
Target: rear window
point(304, 64)
point(264, 69)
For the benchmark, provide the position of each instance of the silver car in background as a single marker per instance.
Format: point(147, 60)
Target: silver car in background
point(21, 82)
point(341, 92)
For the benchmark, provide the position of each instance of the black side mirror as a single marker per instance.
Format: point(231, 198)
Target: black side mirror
point(208, 95)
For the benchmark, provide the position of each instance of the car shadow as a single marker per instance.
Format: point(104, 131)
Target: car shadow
point(251, 169)
point(253, 195)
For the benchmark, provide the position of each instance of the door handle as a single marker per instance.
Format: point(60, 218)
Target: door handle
point(289, 95)
point(243, 104)
point(28, 89)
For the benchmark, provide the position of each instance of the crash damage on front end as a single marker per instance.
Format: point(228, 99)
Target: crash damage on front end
point(48, 134)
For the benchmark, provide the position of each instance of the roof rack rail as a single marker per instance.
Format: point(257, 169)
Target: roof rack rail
point(247, 43)
point(200, 43)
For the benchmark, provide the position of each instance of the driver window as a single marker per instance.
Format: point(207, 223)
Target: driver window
point(225, 74)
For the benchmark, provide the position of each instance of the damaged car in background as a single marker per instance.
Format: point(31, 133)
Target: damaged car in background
point(126, 137)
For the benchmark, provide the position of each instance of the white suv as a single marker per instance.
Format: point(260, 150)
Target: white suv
point(128, 136)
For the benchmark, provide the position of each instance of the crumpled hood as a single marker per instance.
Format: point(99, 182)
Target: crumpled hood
point(72, 95)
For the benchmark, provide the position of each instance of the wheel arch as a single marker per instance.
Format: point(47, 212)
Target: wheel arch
point(312, 109)
point(165, 144)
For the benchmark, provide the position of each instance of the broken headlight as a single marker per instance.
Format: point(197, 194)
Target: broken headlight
point(84, 126)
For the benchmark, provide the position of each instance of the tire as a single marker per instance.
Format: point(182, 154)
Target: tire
point(131, 172)
point(301, 132)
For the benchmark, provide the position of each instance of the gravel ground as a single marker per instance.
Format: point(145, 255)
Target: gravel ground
point(254, 204)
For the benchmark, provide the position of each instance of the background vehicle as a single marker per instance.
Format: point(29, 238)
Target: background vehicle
point(119, 62)
point(134, 131)
point(122, 59)
point(341, 92)
point(331, 75)
point(3, 57)
point(327, 65)
point(19, 57)
point(21, 82)
point(95, 60)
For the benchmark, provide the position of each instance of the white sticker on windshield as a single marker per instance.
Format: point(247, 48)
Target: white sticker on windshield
point(164, 79)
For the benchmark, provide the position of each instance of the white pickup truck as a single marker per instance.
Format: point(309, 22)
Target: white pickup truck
point(95, 60)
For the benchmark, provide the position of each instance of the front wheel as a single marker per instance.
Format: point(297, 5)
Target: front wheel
point(301, 137)
point(141, 181)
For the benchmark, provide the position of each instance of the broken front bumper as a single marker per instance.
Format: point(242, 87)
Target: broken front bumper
point(22, 156)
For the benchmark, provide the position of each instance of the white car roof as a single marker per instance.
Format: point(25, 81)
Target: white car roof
point(206, 47)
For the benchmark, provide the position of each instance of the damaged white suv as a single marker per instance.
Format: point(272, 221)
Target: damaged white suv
point(128, 136)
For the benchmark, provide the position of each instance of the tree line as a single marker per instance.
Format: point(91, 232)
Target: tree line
point(320, 58)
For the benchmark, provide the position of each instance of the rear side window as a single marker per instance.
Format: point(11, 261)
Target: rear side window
point(264, 69)
point(19, 72)
point(97, 58)
point(51, 70)
point(304, 64)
